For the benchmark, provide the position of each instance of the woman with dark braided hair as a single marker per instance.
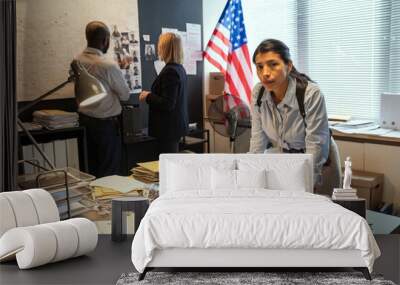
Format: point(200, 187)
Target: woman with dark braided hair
point(289, 113)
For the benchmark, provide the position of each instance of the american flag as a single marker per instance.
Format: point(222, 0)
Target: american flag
point(227, 50)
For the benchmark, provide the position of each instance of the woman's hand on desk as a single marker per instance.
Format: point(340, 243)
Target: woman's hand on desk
point(143, 95)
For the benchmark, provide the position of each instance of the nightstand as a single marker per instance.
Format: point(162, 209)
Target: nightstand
point(358, 206)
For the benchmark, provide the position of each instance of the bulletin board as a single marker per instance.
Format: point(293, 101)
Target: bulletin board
point(173, 14)
point(51, 32)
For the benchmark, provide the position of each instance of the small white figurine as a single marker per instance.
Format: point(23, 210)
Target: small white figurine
point(347, 174)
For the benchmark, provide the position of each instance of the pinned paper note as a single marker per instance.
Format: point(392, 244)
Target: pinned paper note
point(190, 67)
point(168, 30)
point(197, 55)
point(193, 36)
point(146, 38)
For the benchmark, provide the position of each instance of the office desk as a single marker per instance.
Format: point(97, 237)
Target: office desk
point(138, 149)
point(145, 148)
point(196, 137)
point(364, 138)
point(46, 136)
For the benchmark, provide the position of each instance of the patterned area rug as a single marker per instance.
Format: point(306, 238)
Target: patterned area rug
point(229, 278)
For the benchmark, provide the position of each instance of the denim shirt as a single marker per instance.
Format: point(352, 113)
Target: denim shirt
point(282, 124)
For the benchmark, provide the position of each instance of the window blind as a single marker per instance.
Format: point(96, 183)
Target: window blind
point(394, 60)
point(271, 19)
point(351, 49)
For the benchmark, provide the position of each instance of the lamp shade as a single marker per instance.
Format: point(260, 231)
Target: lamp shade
point(88, 89)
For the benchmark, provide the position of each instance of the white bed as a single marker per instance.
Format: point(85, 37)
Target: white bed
point(218, 224)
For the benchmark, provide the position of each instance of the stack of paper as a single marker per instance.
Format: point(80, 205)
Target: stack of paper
point(120, 184)
point(355, 127)
point(344, 194)
point(56, 119)
point(107, 188)
point(151, 191)
point(339, 118)
point(30, 126)
point(77, 207)
point(79, 193)
point(146, 172)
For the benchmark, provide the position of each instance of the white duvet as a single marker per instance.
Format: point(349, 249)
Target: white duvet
point(250, 219)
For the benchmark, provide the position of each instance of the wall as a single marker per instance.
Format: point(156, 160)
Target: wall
point(152, 19)
point(51, 32)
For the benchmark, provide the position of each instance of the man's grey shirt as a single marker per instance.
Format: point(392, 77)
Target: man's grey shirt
point(111, 76)
point(282, 124)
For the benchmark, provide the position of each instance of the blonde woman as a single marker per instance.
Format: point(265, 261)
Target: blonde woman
point(167, 100)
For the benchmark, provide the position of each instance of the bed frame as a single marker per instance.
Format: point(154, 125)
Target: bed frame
point(242, 259)
point(245, 258)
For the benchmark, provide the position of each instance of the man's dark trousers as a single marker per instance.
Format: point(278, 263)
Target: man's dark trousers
point(104, 145)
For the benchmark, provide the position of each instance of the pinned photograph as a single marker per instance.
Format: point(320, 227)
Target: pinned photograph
point(133, 38)
point(137, 87)
point(134, 56)
point(125, 42)
point(115, 33)
point(117, 45)
point(149, 52)
point(135, 70)
point(128, 79)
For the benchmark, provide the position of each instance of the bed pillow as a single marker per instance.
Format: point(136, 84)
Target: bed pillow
point(293, 179)
point(223, 179)
point(187, 175)
point(227, 179)
point(181, 177)
point(282, 174)
point(251, 178)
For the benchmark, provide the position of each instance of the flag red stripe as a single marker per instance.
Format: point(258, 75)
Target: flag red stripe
point(232, 87)
point(239, 69)
point(214, 62)
point(221, 36)
point(246, 55)
point(218, 50)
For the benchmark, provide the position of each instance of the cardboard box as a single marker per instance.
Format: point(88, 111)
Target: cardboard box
point(209, 99)
point(369, 186)
point(217, 82)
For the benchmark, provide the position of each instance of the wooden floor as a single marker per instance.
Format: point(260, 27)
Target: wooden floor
point(102, 266)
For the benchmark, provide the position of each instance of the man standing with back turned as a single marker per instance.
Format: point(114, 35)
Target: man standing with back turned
point(101, 119)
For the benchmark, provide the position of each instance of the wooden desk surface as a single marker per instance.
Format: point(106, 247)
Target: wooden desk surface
point(361, 138)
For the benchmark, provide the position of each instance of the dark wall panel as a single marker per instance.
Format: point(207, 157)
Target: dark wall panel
point(155, 14)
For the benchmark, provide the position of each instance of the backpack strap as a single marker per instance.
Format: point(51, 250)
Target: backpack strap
point(301, 86)
point(259, 96)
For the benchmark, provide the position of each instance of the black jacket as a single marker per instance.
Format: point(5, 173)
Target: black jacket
point(168, 110)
